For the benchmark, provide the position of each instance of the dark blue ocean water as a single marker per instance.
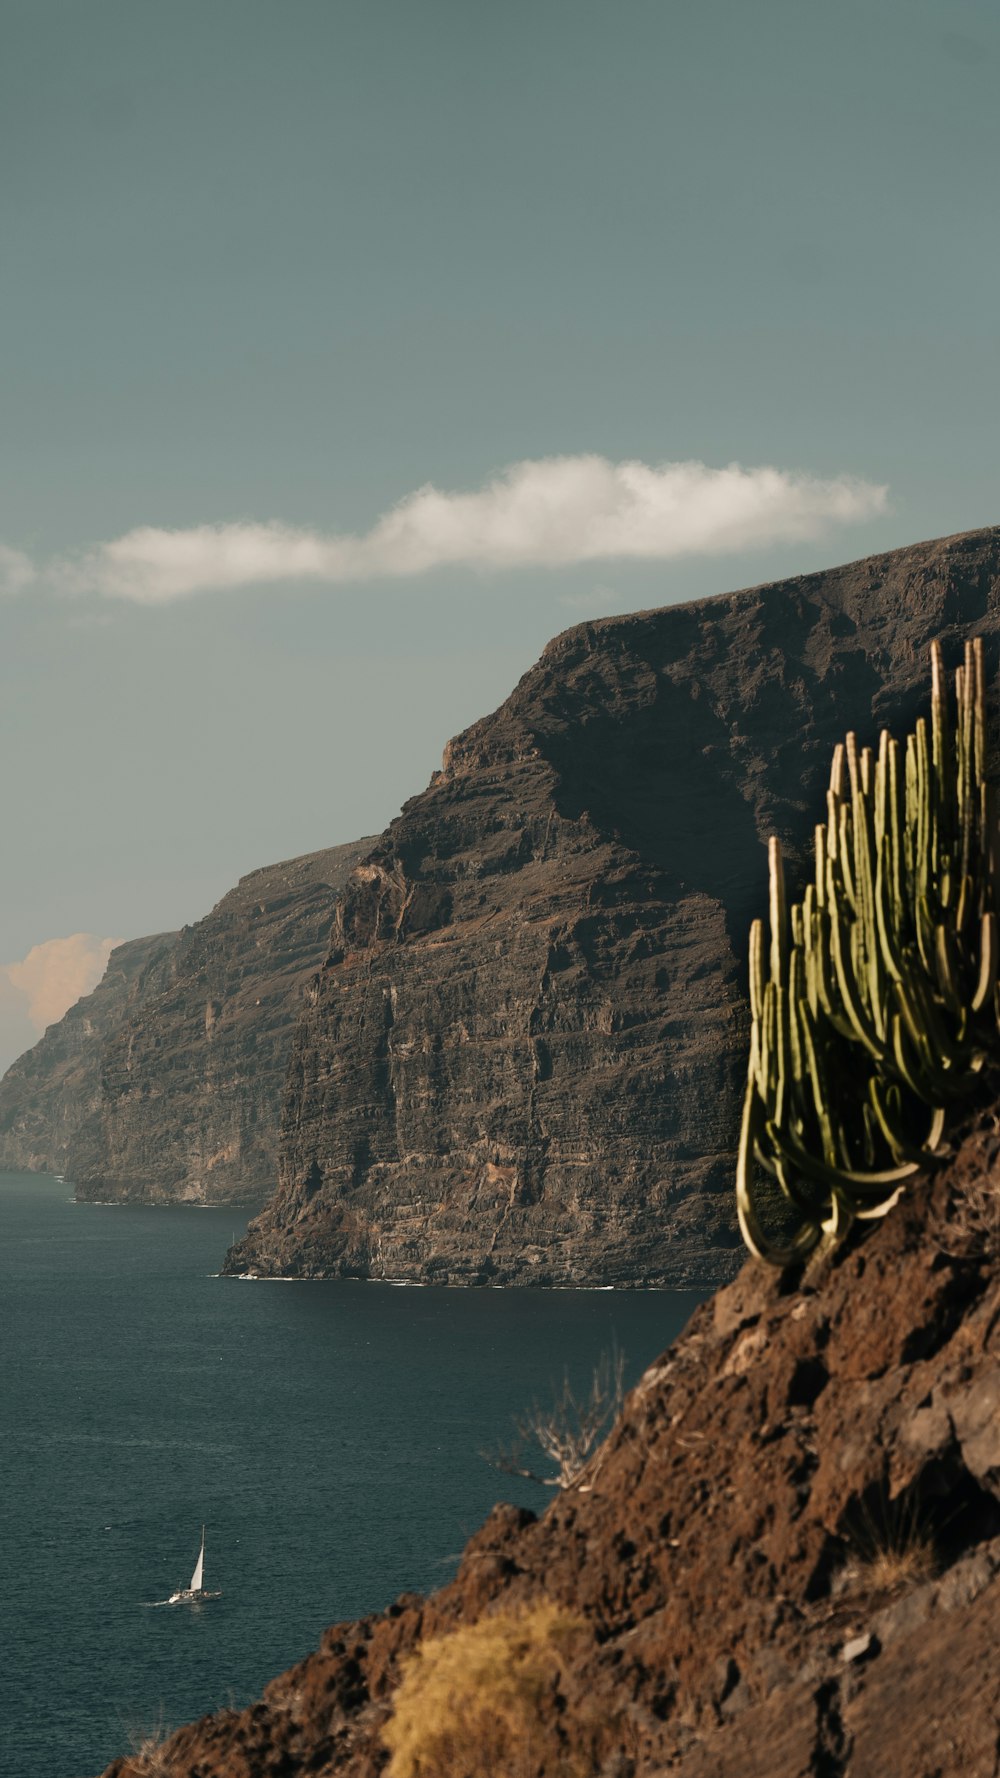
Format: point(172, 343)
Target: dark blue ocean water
point(328, 1434)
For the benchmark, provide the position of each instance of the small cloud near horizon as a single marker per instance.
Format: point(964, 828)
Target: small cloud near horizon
point(550, 512)
point(55, 975)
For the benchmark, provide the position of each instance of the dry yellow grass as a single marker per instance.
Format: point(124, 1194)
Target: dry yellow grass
point(893, 1548)
point(487, 1699)
point(888, 1569)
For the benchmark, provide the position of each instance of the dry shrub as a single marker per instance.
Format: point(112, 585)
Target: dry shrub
point(906, 1566)
point(489, 1699)
point(892, 1546)
point(976, 1214)
point(146, 1758)
point(569, 1432)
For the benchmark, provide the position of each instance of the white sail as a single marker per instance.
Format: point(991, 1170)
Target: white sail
point(199, 1567)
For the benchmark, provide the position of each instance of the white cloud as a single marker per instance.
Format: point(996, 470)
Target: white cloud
point(16, 570)
point(54, 975)
point(551, 512)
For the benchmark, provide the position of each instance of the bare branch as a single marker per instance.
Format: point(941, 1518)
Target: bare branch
point(568, 1432)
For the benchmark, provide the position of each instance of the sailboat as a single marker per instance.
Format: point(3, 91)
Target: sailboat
point(193, 1594)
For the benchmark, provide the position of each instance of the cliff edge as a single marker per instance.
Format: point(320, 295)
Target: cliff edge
point(50, 1098)
point(165, 1083)
point(522, 1059)
point(191, 1079)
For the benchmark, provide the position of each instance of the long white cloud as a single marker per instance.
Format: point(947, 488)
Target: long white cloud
point(549, 512)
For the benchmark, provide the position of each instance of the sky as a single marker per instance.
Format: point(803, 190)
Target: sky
point(354, 348)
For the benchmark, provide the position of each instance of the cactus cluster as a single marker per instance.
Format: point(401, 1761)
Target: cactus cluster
point(875, 1004)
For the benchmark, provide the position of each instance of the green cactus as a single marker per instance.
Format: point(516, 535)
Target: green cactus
point(880, 1002)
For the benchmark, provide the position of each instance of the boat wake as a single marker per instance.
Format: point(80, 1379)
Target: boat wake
point(152, 1604)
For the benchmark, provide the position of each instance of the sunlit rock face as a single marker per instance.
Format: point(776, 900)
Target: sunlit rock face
point(521, 1060)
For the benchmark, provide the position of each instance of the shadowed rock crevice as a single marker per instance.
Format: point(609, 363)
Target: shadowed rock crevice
point(832, 1752)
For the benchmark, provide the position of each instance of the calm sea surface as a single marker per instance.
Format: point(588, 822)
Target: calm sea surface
point(328, 1434)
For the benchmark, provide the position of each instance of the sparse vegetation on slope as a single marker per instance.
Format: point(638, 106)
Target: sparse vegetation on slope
point(488, 1698)
point(879, 1007)
point(567, 1433)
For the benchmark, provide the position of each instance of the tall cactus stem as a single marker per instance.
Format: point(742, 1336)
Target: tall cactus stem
point(989, 958)
point(776, 868)
point(877, 994)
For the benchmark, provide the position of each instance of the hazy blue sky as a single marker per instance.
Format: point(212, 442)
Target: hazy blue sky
point(268, 270)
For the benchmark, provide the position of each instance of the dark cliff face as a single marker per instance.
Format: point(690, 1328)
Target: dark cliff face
point(522, 1059)
point(50, 1098)
point(191, 1081)
point(724, 1546)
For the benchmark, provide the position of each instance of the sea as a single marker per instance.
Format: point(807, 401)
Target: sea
point(332, 1437)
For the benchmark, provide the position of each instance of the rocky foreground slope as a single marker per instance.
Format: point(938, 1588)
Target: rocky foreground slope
point(786, 1556)
point(521, 1060)
point(165, 1084)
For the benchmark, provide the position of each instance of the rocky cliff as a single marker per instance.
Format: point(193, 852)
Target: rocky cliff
point(522, 1057)
point(50, 1098)
point(191, 1079)
point(786, 1557)
point(165, 1082)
